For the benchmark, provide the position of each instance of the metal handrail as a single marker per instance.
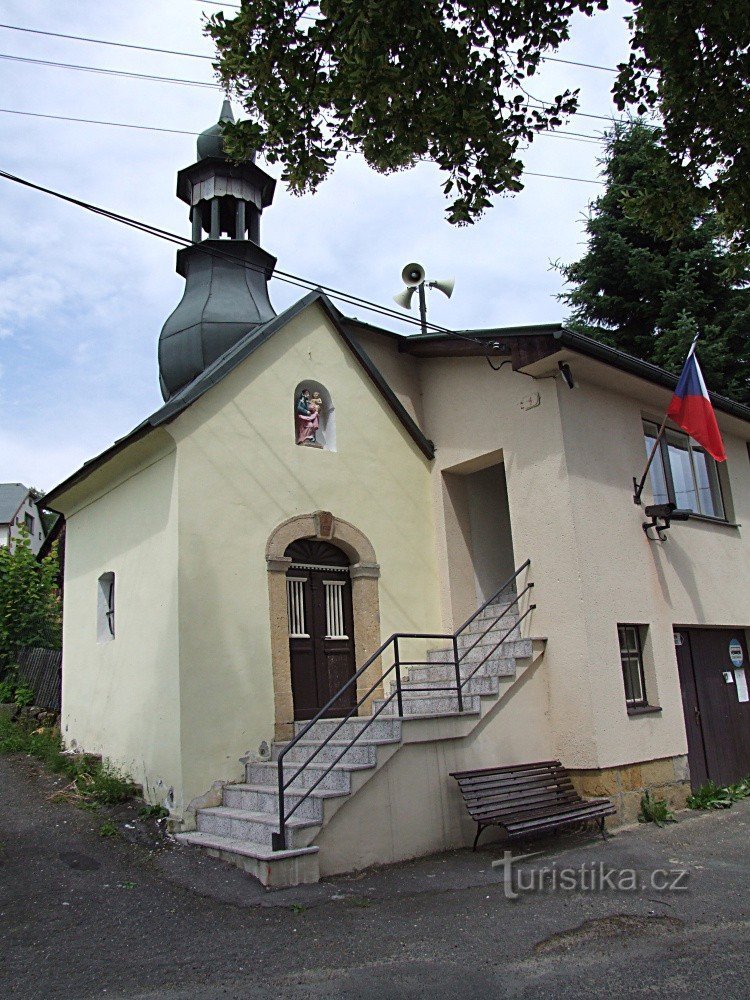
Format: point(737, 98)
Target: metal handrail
point(278, 839)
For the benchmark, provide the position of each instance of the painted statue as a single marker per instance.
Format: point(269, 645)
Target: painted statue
point(307, 409)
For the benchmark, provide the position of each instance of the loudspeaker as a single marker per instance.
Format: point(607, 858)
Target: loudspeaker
point(446, 286)
point(413, 274)
point(404, 298)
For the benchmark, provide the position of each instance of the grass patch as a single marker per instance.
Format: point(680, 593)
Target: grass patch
point(713, 796)
point(655, 811)
point(153, 812)
point(92, 782)
point(108, 829)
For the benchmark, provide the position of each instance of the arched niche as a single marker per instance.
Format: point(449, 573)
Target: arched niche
point(306, 433)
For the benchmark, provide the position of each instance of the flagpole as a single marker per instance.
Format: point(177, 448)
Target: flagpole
point(639, 486)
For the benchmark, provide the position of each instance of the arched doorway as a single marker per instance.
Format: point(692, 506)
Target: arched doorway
point(321, 627)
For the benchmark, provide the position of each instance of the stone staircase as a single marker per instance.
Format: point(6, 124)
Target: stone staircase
point(239, 829)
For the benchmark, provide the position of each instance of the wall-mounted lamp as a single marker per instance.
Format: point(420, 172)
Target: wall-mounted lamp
point(665, 513)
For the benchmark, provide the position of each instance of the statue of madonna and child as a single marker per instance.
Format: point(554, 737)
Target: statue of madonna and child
point(307, 411)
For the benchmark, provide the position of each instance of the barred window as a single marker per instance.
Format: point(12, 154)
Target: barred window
point(631, 657)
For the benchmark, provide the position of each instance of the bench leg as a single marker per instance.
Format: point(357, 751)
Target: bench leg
point(476, 839)
point(602, 829)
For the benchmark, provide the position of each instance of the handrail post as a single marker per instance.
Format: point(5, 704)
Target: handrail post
point(278, 840)
point(399, 700)
point(457, 664)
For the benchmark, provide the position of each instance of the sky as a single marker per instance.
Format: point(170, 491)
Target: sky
point(83, 299)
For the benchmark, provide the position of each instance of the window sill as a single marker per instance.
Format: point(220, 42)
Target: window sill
point(643, 709)
point(713, 520)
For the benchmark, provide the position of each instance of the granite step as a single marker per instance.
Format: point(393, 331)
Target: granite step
point(359, 753)
point(479, 684)
point(518, 648)
point(387, 730)
point(243, 825)
point(480, 625)
point(495, 666)
point(338, 779)
point(415, 703)
point(293, 866)
point(265, 799)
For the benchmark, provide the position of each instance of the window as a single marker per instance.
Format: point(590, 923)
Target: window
point(334, 591)
point(631, 657)
point(29, 520)
point(105, 617)
point(683, 473)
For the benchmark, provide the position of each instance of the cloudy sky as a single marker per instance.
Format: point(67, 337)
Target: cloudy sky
point(82, 299)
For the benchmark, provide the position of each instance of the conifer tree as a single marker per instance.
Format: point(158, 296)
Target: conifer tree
point(647, 284)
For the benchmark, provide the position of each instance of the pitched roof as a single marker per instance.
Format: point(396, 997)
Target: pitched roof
point(220, 368)
point(12, 495)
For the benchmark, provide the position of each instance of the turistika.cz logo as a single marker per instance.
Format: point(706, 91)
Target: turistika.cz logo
point(586, 877)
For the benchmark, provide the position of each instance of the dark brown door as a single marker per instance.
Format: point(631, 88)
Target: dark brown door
point(321, 628)
point(713, 667)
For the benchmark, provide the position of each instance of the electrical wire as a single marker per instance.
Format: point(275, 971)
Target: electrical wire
point(95, 121)
point(285, 276)
point(557, 59)
point(562, 134)
point(109, 72)
point(102, 41)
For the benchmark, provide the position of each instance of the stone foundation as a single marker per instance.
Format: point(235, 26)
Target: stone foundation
point(667, 778)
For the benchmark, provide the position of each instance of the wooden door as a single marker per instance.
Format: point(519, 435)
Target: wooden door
point(714, 668)
point(321, 628)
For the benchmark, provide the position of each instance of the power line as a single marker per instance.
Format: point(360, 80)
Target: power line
point(214, 86)
point(177, 131)
point(285, 276)
point(557, 59)
point(102, 41)
point(96, 121)
point(109, 72)
point(562, 133)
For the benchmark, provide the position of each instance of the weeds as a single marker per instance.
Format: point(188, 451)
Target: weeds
point(92, 782)
point(108, 829)
point(655, 811)
point(713, 796)
point(153, 812)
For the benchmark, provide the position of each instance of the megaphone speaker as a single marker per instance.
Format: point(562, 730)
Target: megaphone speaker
point(446, 286)
point(404, 298)
point(413, 274)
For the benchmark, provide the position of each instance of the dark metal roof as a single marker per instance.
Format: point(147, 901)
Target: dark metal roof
point(573, 341)
point(220, 368)
point(12, 495)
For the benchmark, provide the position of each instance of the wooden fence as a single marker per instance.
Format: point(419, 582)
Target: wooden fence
point(41, 670)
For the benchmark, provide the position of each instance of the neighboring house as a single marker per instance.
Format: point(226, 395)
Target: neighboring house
point(380, 484)
point(18, 507)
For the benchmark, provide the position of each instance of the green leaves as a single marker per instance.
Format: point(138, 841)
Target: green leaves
point(30, 609)
point(395, 80)
point(398, 80)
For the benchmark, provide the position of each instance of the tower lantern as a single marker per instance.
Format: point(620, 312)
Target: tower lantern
point(226, 271)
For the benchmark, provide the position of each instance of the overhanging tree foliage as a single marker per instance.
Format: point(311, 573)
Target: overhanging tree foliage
point(403, 80)
point(649, 294)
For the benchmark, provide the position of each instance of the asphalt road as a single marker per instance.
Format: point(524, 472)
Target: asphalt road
point(83, 916)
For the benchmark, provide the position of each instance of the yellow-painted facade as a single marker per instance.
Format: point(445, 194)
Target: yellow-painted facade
point(184, 516)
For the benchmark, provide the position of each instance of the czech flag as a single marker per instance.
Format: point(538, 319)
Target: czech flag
point(692, 410)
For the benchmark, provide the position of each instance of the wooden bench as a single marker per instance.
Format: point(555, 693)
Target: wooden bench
point(527, 799)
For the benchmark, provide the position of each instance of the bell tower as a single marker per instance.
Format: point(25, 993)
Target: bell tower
point(226, 271)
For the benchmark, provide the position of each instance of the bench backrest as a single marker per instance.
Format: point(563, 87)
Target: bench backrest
point(515, 790)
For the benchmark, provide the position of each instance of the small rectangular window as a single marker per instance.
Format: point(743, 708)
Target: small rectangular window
point(105, 618)
point(29, 521)
point(683, 473)
point(631, 658)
